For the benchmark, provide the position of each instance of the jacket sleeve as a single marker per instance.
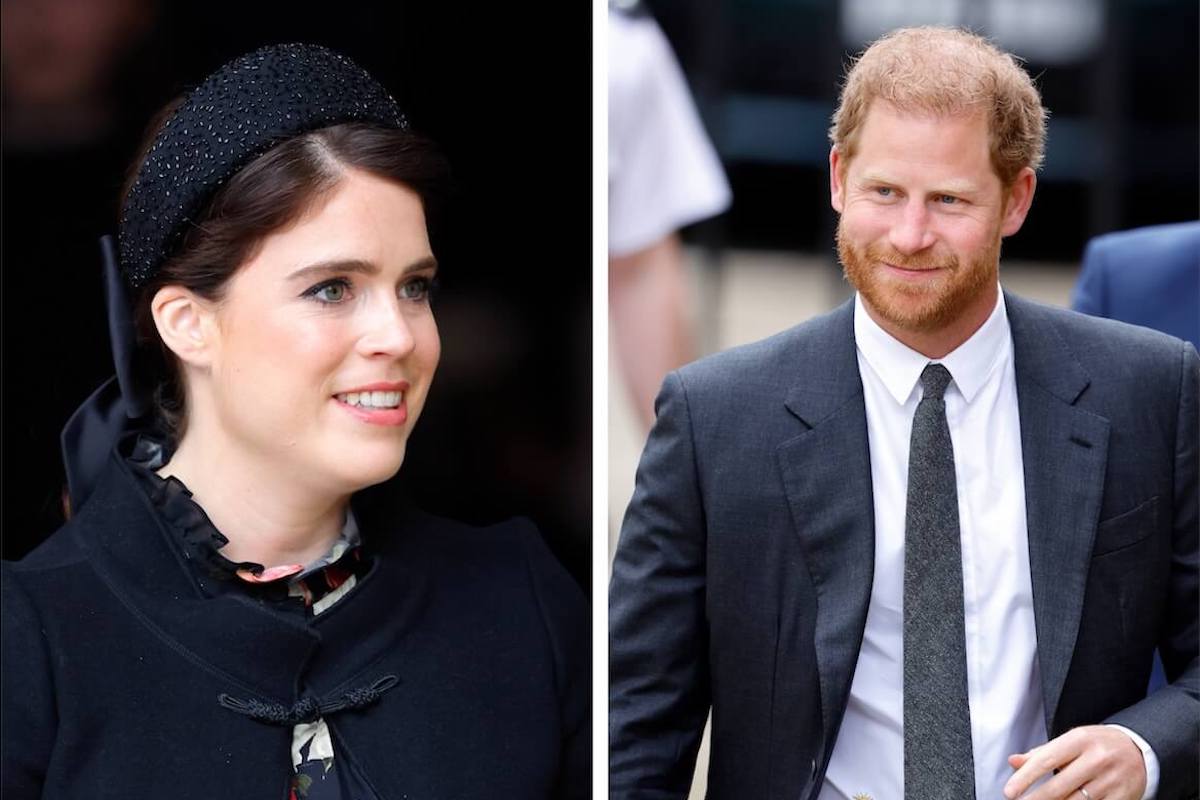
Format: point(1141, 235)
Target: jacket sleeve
point(658, 638)
point(1169, 719)
point(1090, 295)
point(567, 618)
point(27, 709)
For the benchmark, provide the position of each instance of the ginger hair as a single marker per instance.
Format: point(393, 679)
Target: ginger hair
point(947, 72)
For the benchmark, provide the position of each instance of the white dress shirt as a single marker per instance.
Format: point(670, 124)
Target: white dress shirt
point(1004, 686)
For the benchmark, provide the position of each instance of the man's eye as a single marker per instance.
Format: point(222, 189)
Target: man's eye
point(884, 191)
point(947, 200)
point(331, 292)
point(419, 288)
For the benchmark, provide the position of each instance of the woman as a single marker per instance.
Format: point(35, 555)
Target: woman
point(227, 614)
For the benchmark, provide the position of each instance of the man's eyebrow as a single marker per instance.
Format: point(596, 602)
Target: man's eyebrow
point(966, 187)
point(877, 177)
point(957, 187)
point(357, 265)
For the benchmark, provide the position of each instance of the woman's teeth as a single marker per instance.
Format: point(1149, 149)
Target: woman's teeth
point(371, 399)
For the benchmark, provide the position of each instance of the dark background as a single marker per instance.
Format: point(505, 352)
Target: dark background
point(1123, 144)
point(503, 88)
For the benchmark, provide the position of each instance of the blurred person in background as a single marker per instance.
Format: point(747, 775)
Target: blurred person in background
point(228, 612)
point(1147, 276)
point(924, 545)
point(663, 175)
point(76, 95)
point(61, 60)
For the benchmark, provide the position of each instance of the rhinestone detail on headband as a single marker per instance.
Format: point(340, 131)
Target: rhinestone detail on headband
point(238, 113)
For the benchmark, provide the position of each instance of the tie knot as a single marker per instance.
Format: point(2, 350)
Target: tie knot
point(934, 380)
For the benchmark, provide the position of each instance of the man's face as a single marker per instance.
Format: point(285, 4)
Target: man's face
point(922, 215)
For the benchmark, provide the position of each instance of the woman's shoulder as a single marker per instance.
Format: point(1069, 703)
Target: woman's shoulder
point(434, 530)
point(512, 549)
point(113, 516)
point(496, 578)
point(507, 561)
point(41, 595)
point(60, 556)
point(508, 567)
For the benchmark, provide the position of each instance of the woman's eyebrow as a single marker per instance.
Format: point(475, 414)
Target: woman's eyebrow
point(422, 264)
point(356, 265)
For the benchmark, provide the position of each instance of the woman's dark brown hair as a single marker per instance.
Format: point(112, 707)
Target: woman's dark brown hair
point(272, 191)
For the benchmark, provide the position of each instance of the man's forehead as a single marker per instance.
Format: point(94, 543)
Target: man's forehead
point(924, 131)
point(946, 151)
point(931, 113)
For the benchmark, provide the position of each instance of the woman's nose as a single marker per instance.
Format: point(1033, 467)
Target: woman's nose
point(387, 332)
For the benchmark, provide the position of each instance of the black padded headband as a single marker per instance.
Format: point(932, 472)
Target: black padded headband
point(238, 113)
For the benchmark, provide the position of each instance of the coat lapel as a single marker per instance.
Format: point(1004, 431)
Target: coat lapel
point(826, 473)
point(257, 650)
point(1064, 449)
point(220, 634)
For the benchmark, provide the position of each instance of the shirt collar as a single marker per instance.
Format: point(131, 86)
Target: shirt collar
point(202, 541)
point(899, 367)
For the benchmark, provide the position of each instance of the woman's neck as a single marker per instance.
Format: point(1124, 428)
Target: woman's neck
point(267, 518)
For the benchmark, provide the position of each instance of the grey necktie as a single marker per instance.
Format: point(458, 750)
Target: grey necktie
point(938, 761)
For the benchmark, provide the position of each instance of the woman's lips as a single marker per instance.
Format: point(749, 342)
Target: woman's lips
point(380, 403)
point(377, 416)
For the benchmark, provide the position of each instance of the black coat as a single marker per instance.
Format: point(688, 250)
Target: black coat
point(114, 655)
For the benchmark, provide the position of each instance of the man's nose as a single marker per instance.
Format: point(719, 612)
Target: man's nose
point(912, 232)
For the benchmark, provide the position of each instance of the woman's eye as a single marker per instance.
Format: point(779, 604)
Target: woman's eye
point(418, 288)
point(331, 292)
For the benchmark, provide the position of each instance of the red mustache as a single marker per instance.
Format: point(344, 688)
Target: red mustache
point(877, 253)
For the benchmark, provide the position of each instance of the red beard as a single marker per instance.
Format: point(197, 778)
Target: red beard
point(918, 306)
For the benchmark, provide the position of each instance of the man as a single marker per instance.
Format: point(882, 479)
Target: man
point(923, 546)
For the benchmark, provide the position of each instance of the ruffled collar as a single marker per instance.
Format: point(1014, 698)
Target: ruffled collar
point(201, 542)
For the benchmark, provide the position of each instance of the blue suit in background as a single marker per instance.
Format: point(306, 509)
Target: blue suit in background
point(1147, 276)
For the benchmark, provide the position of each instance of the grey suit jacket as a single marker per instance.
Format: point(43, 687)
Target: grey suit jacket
point(744, 567)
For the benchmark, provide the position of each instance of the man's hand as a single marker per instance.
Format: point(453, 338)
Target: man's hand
point(1100, 759)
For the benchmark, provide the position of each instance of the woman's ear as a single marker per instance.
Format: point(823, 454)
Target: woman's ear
point(185, 324)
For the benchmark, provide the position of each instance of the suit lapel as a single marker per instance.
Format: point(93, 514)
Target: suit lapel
point(1064, 449)
point(826, 473)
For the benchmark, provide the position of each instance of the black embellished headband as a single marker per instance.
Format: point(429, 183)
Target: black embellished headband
point(238, 113)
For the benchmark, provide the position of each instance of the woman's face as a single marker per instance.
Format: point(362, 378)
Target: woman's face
point(325, 342)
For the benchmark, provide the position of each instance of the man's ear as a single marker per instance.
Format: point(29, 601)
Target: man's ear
point(1017, 202)
point(837, 186)
point(185, 323)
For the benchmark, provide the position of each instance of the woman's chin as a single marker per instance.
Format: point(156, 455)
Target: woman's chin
point(365, 468)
